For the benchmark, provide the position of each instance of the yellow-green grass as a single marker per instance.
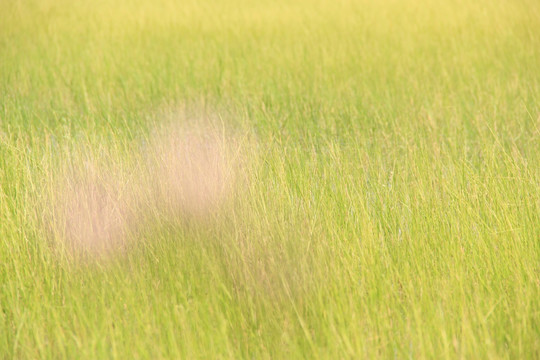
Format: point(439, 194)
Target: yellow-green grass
point(390, 201)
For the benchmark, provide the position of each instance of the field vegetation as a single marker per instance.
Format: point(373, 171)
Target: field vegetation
point(356, 179)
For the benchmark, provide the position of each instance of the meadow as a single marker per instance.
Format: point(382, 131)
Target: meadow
point(385, 166)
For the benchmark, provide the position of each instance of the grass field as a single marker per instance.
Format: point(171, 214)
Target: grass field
point(386, 167)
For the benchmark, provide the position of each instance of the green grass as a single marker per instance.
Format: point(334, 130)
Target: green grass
point(392, 201)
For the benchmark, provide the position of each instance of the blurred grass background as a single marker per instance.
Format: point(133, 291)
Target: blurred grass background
point(393, 202)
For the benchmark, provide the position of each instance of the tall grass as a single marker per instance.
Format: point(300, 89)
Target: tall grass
point(389, 204)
